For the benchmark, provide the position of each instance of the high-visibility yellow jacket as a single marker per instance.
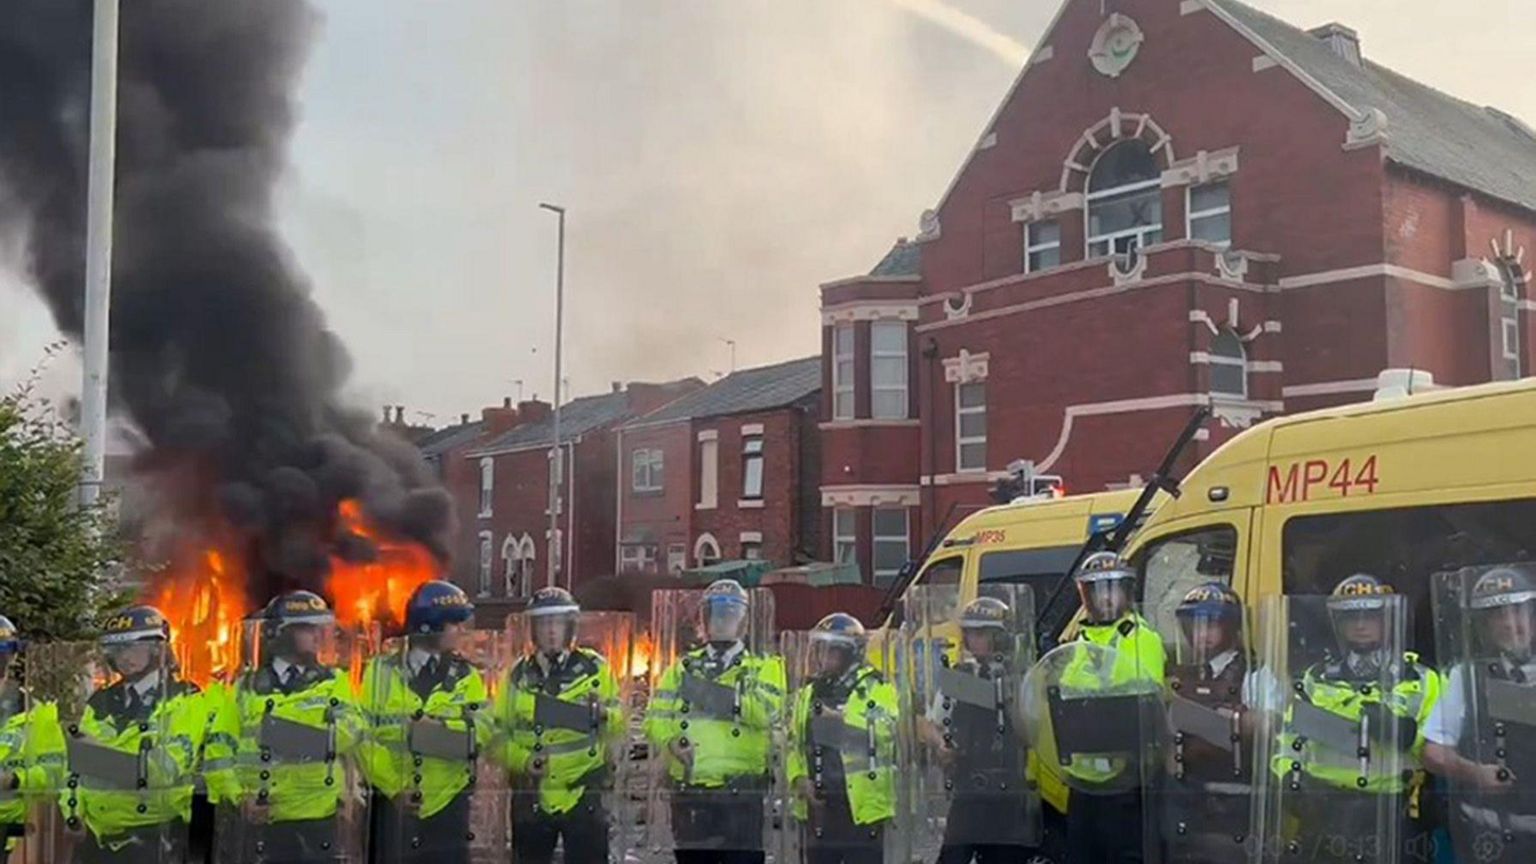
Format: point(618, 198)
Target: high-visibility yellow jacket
point(1139, 659)
point(167, 740)
point(867, 745)
point(727, 744)
point(572, 759)
point(239, 768)
point(31, 749)
point(459, 700)
point(1410, 701)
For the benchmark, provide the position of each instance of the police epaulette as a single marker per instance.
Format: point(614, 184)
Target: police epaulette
point(870, 673)
point(1127, 626)
point(592, 662)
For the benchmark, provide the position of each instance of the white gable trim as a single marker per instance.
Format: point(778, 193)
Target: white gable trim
point(1290, 65)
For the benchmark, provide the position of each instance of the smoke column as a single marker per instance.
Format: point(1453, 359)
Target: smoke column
point(219, 355)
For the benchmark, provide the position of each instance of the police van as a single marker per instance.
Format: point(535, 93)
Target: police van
point(1402, 487)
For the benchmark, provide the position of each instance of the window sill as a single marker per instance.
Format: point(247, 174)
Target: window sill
point(483, 514)
point(749, 504)
point(646, 493)
point(703, 506)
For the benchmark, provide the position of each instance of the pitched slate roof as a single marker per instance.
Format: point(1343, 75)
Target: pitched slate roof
point(448, 438)
point(577, 418)
point(904, 259)
point(1480, 148)
point(741, 392)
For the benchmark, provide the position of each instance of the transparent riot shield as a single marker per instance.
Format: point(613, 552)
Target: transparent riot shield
point(712, 724)
point(1485, 621)
point(1205, 742)
point(1086, 710)
point(845, 745)
point(121, 734)
point(959, 678)
point(16, 745)
point(282, 760)
point(1336, 702)
point(439, 790)
point(564, 736)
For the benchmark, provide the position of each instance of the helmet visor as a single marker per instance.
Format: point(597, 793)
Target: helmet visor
point(725, 619)
point(554, 632)
point(1205, 635)
point(1105, 600)
point(1508, 629)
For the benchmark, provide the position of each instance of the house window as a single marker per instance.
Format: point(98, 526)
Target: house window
point(637, 558)
point(888, 369)
point(842, 372)
point(519, 559)
point(1229, 365)
point(1210, 214)
point(971, 427)
point(646, 470)
point(706, 550)
point(752, 551)
point(845, 536)
point(1125, 200)
point(709, 474)
point(487, 484)
point(677, 558)
point(890, 543)
point(1042, 246)
point(752, 466)
point(1511, 285)
point(483, 582)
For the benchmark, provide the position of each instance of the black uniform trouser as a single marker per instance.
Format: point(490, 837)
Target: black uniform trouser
point(1338, 826)
point(1198, 825)
point(987, 828)
point(1481, 843)
point(1105, 829)
point(833, 838)
point(718, 826)
point(155, 844)
point(310, 841)
point(401, 836)
point(8, 832)
point(583, 830)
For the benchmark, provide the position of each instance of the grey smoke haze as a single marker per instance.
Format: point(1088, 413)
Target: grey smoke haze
point(219, 356)
point(719, 159)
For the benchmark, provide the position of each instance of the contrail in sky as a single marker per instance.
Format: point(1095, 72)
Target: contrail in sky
point(970, 28)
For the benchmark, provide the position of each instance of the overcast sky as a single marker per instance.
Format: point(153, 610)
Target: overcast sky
point(719, 159)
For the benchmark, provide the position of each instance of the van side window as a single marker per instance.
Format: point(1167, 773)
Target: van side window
point(1173, 565)
point(1405, 547)
point(942, 571)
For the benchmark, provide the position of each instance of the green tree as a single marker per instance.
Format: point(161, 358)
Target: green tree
point(57, 559)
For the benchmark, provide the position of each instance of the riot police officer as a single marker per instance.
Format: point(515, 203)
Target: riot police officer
point(18, 769)
point(989, 816)
point(425, 691)
point(1480, 732)
point(842, 750)
point(1348, 749)
point(712, 716)
point(277, 757)
point(1205, 797)
point(146, 717)
point(560, 718)
point(1105, 811)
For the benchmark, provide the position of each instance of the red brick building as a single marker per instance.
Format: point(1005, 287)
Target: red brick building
point(1179, 203)
point(501, 484)
point(730, 471)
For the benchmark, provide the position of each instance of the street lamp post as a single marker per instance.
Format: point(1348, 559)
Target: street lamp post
point(98, 249)
point(557, 468)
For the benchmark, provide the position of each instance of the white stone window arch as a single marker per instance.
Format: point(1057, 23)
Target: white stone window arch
point(518, 555)
point(706, 550)
point(1229, 365)
point(1124, 209)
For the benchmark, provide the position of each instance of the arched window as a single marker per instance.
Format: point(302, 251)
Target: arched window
point(1229, 365)
point(518, 557)
point(706, 550)
point(1511, 335)
point(1125, 200)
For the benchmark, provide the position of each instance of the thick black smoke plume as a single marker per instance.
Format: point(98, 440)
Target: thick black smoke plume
point(218, 353)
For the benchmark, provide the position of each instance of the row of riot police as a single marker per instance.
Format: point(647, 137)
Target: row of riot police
point(1309, 731)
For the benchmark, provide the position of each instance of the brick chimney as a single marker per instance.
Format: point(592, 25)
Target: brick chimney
point(499, 420)
point(1341, 40)
point(534, 411)
point(645, 397)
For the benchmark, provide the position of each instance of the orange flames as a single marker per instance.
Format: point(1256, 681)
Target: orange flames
point(205, 600)
point(640, 656)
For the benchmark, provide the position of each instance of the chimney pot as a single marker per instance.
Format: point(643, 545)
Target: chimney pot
point(386, 413)
point(463, 419)
point(506, 401)
point(618, 386)
point(1341, 40)
point(400, 415)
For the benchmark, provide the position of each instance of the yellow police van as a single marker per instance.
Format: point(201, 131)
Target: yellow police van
point(1400, 487)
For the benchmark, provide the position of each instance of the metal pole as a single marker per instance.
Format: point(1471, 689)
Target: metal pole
point(98, 248)
point(557, 470)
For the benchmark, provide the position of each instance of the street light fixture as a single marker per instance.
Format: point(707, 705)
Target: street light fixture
point(556, 469)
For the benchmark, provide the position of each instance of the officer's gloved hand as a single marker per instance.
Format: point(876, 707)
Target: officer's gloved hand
point(806, 789)
point(1492, 778)
point(681, 750)
point(253, 812)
